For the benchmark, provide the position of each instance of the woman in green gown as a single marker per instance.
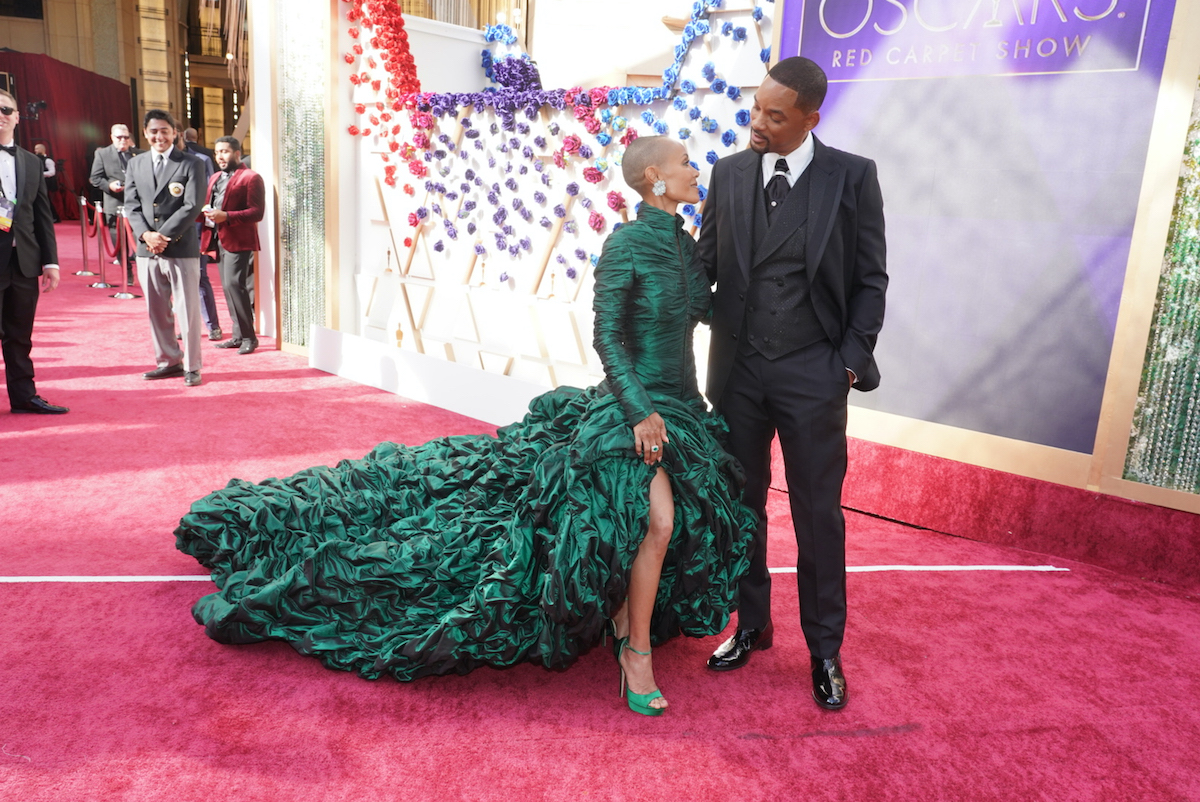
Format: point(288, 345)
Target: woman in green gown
point(614, 508)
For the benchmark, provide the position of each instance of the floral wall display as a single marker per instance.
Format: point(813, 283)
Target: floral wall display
point(1164, 449)
point(498, 201)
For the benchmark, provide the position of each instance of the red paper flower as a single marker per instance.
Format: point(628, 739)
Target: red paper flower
point(390, 180)
point(394, 146)
point(408, 242)
point(420, 140)
point(349, 58)
point(374, 120)
point(592, 176)
point(596, 221)
point(572, 143)
point(375, 85)
point(353, 33)
point(599, 96)
point(357, 49)
point(353, 130)
point(366, 132)
point(559, 161)
point(591, 125)
point(616, 201)
point(413, 220)
point(582, 112)
point(629, 135)
point(408, 190)
point(418, 168)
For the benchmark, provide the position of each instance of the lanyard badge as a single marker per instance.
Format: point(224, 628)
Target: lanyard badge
point(7, 209)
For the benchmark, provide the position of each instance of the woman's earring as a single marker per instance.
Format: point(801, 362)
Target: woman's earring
point(659, 188)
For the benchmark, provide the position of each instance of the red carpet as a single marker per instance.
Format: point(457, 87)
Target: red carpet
point(1076, 685)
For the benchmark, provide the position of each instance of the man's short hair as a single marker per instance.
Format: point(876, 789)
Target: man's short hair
point(118, 127)
point(9, 95)
point(804, 77)
point(158, 114)
point(231, 141)
point(189, 134)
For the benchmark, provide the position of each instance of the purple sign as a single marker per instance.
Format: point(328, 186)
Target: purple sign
point(874, 40)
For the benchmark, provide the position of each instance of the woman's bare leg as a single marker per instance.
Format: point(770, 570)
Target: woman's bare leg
point(643, 588)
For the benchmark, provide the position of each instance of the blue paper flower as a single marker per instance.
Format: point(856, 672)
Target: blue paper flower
point(711, 157)
point(687, 87)
point(765, 55)
point(742, 117)
point(661, 128)
point(708, 125)
point(684, 133)
point(603, 138)
point(757, 14)
point(648, 117)
point(679, 104)
point(703, 191)
point(688, 209)
point(717, 86)
point(727, 29)
point(694, 113)
point(739, 33)
point(733, 93)
point(698, 220)
point(709, 71)
point(729, 137)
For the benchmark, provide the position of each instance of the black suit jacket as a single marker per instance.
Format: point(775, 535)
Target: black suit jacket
point(845, 255)
point(33, 219)
point(106, 168)
point(169, 205)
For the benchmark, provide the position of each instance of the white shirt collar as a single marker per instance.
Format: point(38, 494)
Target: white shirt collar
point(798, 161)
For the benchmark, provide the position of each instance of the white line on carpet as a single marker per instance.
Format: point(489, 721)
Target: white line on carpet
point(864, 569)
point(851, 569)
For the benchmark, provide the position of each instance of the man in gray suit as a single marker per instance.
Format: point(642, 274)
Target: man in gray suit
point(108, 175)
point(163, 195)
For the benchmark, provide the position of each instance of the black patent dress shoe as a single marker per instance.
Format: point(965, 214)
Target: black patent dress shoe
point(192, 379)
point(40, 406)
point(829, 683)
point(735, 652)
point(248, 346)
point(170, 371)
point(229, 344)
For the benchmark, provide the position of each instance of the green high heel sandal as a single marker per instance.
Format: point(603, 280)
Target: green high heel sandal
point(638, 702)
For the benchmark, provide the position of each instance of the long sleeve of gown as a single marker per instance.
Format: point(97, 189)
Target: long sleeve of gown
point(615, 279)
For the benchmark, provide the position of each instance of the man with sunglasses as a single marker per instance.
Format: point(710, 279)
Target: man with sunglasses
point(28, 250)
point(108, 176)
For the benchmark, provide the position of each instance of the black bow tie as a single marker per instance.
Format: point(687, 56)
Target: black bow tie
point(11, 150)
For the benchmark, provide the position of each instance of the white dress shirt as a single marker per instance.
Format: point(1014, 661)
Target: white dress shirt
point(8, 180)
point(798, 161)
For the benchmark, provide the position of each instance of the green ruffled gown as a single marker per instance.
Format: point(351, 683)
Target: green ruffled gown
point(474, 550)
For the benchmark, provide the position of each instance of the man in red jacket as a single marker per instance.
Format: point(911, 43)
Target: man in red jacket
point(236, 202)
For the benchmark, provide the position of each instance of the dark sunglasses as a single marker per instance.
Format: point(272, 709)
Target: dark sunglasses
point(7, 110)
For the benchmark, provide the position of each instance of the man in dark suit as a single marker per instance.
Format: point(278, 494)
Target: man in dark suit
point(108, 175)
point(236, 203)
point(28, 250)
point(163, 195)
point(192, 145)
point(793, 237)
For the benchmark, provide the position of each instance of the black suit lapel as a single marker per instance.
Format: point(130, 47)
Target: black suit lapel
point(745, 195)
point(824, 196)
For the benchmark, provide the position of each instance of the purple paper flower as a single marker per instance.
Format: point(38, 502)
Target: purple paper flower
point(480, 250)
point(504, 277)
point(439, 246)
point(545, 222)
point(471, 230)
point(580, 254)
point(572, 272)
point(585, 152)
point(508, 230)
point(526, 243)
point(540, 141)
point(422, 212)
point(572, 189)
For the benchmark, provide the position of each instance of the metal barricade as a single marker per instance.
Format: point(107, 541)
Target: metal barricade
point(123, 235)
point(102, 284)
point(83, 236)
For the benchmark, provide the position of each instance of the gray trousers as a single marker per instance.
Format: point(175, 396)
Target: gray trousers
point(164, 280)
point(237, 279)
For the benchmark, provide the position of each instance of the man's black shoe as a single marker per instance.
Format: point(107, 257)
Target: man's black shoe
point(229, 344)
point(248, 347)
point(829, 683)
point(735, 652)
point(168, 372)
point(40, 406)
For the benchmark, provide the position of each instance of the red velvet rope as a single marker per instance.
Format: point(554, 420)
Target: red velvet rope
point(89, 218)
point(130, 239)
point(110, 245)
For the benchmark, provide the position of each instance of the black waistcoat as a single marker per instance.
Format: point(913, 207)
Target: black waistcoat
point(779, 312)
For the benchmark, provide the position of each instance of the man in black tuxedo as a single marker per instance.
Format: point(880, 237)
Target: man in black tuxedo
point(28, 250)
point(792, 235)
